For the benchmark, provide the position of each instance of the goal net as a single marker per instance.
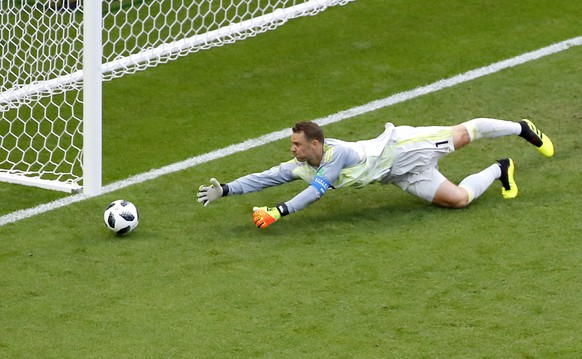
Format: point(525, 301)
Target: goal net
point(43, 77)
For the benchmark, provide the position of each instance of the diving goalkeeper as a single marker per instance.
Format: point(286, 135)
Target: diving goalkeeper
point(404, 156)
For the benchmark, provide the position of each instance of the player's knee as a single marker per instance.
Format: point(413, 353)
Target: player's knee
point(457, 199)
point(461, 202)
point(461, 136)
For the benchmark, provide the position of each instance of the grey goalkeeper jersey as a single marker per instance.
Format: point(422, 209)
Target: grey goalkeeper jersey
point(343, 164)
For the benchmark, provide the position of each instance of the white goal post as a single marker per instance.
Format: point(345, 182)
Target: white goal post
point(56, 53)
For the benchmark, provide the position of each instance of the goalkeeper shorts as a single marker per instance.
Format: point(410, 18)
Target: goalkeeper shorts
point(418, 150)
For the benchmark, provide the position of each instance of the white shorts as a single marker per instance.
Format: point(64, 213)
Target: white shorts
point(418, 150)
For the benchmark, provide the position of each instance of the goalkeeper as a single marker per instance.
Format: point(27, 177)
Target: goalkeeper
point(404, 156)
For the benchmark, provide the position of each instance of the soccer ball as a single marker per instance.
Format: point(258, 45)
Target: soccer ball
point(121, 217)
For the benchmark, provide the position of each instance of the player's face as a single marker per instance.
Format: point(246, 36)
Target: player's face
point(305, 150)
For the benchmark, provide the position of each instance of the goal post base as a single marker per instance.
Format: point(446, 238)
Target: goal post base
point(72, 188)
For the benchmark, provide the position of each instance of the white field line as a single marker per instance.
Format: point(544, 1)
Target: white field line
point(274, 136)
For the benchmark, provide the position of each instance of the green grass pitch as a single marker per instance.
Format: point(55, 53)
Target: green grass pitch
point(369, 273)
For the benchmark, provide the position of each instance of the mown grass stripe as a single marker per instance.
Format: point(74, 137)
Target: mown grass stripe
point(275, 136)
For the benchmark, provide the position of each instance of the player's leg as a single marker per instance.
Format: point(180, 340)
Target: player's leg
point(453, 196)
point(491, 128)
point(478, 128)
point(419, 150)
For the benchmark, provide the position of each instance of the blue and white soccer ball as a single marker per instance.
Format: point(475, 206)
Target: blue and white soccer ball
point(121, 217)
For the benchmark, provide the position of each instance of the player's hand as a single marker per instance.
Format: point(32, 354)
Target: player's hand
point(207, 194)
point(264, 216)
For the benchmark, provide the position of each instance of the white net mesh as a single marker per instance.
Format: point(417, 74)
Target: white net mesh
point(41, 75)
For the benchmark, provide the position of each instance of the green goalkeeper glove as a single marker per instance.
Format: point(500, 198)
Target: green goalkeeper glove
point(207, 194)
point(264, 216)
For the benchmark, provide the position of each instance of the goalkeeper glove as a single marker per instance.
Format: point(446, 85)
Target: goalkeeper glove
point(207, 194)
point(264, 216)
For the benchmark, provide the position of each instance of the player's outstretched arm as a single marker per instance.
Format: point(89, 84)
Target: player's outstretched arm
point(265, 216)
point(208, 194)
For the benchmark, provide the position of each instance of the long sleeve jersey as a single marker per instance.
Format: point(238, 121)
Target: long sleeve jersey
point(343, 164)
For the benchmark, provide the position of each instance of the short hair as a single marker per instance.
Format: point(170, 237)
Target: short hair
point(311, 130)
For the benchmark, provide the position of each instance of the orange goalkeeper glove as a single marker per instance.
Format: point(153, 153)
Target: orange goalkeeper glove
point(264, 216)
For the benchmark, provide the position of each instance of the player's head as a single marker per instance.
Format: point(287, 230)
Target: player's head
point(307, 142)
